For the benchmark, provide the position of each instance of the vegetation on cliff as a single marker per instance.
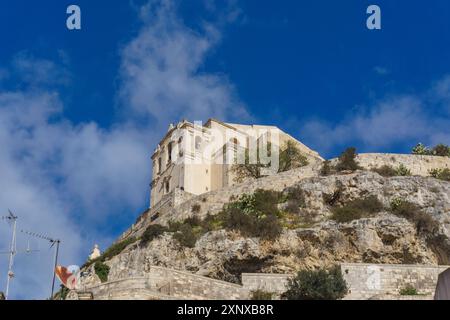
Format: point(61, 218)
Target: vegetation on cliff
point(440, 149)
point(319, 284)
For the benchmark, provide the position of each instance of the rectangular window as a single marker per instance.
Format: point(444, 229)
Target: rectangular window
point(169, 152)
point(159, 165)
point(167, 186)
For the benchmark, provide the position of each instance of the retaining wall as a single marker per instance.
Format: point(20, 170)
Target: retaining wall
point(365, 281)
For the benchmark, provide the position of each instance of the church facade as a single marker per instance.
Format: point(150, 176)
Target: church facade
point(196, 158)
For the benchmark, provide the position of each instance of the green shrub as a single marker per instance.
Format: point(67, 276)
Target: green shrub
point(347, 160)
point(261, 295)
point(441, 150)
point(193, 221)
point(117, 248)
point(438, 150)
point(254, 215)
point(153, 231)
point(408, 291)
point(385, 171)
point(420, 149)
point(423, 221)
point(268, 227)
point(212, 222)
point(102, 271)
point(357, 209)
point(326, 168)
point(266, 201)
point(236, 219)
point(291, 157)
point(111, 252)
point(442, 174)
point(185, 236)
point(295, 195)
point(321, 284)
point(402, 171)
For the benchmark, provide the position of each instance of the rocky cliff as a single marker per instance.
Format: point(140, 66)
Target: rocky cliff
point(418, 234)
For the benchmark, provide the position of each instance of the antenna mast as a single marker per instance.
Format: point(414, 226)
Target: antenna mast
point(12, 250)
point(53, 242)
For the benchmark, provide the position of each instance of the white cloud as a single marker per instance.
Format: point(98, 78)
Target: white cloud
point(161, 71)
point(73, 180)
point(35, 71)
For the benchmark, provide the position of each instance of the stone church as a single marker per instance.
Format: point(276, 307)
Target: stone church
point(195, 158)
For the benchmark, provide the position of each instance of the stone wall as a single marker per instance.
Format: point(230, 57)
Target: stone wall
point(365, 281)
point(419, 165)
point(164, 283)
point(167, 203)
point(269, 282)
point(384, 281)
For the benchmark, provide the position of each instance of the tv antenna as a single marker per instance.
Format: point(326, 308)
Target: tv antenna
point(52, 242)
point(11, 219)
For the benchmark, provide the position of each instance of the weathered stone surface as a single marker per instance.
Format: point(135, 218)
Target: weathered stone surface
point(380, 239)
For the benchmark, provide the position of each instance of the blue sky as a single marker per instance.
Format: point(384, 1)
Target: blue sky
point(80, 111)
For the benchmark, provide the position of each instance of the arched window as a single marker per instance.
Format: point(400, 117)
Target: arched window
point(234, 141)
point(198, 142)
point(167, 186)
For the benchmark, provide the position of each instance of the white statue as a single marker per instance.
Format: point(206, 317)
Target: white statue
point(95, 253)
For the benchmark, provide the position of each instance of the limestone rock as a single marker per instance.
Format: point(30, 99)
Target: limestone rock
point(382, 238)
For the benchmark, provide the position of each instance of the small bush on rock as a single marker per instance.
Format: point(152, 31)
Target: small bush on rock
point(254, 215)
point(153, 231)
point(441, 174)
point(347, 160)
point(385, 171)
point(185, 236)
point(423, 221)
point(440, 149)
point(321, 284)
point(402, 171)
point(116, 248)
point(102, 271)
point(326, 168)
point(357, 209)
point(408, 291)
point(112, 251)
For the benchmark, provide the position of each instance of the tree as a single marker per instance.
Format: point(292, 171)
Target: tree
point(347, 160)
point(441, 150)
point(420, 149)
point(243, 171)
point(291, 157)
point(321, 284)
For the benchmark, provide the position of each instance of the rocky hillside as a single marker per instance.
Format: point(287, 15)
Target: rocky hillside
point(316, 221)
